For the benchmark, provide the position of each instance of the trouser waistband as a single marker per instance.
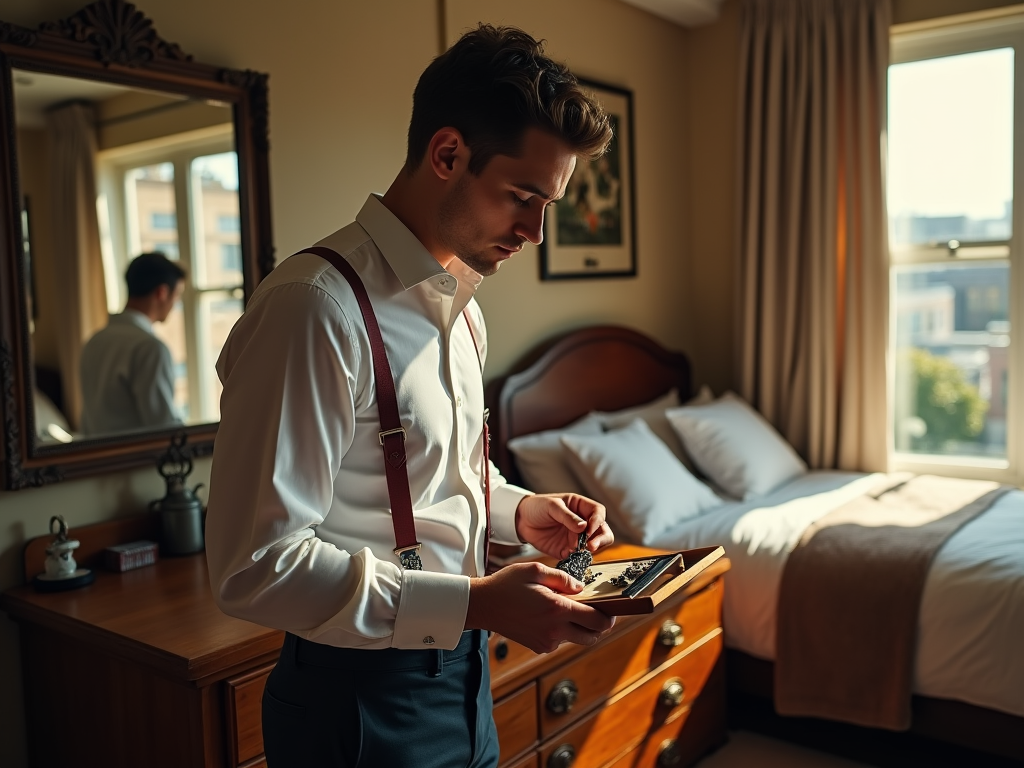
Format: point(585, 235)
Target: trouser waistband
point(431, 661)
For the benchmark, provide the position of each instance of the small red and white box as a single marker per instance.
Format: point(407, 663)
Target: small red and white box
point(135, 554)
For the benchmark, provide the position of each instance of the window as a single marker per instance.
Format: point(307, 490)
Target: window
point(953, 120)
point(229, 224)
point(180, 199)
point(164, 221)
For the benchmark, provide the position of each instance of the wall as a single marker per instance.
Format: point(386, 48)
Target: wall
point(341, 79)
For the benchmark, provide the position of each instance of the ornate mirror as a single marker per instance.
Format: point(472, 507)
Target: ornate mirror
point(116, 144)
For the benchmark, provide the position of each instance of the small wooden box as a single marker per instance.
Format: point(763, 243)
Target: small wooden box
point(678, 575)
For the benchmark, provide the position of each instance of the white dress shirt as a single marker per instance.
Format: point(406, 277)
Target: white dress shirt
point(299, 530)
point(127, 378)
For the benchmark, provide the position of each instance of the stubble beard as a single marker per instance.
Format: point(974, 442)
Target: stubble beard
point(455, 232)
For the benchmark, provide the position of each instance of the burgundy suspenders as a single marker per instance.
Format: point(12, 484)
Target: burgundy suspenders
point(392, 433)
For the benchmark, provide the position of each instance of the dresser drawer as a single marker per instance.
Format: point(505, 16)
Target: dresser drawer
point(631, 716)
point(245, 715)
point(507, 659)
point(684, 740)
point(515, 717)
point(570, 691)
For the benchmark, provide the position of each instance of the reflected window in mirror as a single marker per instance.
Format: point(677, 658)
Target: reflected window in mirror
point(162, 174)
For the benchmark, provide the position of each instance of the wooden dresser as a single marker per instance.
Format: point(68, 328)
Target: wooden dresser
point(142, 668)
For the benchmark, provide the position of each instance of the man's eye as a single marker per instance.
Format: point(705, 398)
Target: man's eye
point(517, 200)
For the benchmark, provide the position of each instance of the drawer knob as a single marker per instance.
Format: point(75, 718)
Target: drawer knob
point(562, 697)
point(671, 634)
point(501, 650)
point(672, 693)
point(563, 757)
point(669, 756)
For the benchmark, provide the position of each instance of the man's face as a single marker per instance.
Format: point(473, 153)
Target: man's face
point(168, 298)
point(485, 219)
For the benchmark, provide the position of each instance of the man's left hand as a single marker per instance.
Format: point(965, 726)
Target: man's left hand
point(553, 522)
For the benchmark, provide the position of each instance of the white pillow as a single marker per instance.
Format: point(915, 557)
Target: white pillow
point(736, 447)
point(539, 457)
point(654, 414)
point(645, 490)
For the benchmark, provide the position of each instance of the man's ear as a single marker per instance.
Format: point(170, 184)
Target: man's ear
point(447, 153)
point(162, 291)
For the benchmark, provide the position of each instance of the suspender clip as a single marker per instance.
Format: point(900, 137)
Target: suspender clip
point(386, 432)
point(410, 557)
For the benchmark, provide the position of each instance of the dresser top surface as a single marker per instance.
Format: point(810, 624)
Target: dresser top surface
point(163, 614)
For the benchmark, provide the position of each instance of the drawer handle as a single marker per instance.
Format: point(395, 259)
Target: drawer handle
point(671, 634)
point(563, 757)
point(562, 697)
point(501, 650)
point(669, 755)
point(672, 693)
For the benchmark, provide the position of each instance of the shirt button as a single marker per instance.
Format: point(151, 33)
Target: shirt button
point(458, 401)
point(443, 281)
point(428, 640)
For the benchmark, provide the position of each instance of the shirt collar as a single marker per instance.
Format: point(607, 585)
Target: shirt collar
point(410, 261)
point(135, 317)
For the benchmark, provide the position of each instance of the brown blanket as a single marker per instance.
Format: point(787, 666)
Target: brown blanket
point(850, 597)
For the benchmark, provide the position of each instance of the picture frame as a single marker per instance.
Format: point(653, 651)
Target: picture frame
point(591, 232)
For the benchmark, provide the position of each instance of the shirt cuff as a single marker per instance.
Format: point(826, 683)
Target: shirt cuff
point(431, 610)
point(504, 501)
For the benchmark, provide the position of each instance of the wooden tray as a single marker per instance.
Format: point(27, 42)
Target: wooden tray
point(691, 563)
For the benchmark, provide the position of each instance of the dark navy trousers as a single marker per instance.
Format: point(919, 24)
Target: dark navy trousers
point(327, 707)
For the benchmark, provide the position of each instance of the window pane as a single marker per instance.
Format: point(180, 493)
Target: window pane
point(218, 247)
point(950, 149)
point(952, 356)
point(172, 333)
point(218, 312)
point(152, 213)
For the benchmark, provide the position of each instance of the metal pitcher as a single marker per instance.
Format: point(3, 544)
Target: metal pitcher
point(181, 511)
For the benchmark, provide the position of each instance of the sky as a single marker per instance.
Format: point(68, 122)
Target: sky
point(950, 135)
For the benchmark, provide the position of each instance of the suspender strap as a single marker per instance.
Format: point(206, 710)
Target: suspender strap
point(487, 451)
point(392, 433)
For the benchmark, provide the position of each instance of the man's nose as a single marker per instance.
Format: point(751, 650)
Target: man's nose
point(531, 225)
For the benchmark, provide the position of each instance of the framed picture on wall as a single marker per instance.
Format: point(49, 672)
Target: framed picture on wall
point(591, 232)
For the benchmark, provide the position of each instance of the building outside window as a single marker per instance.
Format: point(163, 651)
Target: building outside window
point(955, 100)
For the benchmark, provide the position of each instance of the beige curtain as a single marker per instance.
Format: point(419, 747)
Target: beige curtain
point(814, 258)
point(76, 242)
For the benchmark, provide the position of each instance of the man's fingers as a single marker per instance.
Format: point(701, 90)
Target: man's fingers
point(589, 618)
point(557, 581)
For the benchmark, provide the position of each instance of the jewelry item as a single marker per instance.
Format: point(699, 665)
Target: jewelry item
point(577, 562)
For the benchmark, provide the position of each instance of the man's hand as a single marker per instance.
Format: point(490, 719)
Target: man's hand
point(526, 603)
point(553, 522)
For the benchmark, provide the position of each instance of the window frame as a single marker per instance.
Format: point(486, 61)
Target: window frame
point(112, 167)
point(921, 44)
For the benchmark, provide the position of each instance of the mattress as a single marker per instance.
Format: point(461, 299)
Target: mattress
point(971, 623)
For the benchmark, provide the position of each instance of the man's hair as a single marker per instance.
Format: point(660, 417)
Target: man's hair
point(148, 271)
point(493, 85)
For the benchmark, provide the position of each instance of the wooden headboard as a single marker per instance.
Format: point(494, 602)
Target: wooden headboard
point(603, 368)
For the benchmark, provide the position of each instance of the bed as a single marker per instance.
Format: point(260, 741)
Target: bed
point(969, 669)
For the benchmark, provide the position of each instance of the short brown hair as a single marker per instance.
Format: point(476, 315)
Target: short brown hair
point(494, 84)
point(148, 271)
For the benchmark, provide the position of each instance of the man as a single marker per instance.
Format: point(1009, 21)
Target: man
point(382, 663)
point(127, 372)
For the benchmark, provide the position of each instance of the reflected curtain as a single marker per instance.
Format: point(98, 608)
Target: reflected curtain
point(814, 253)
point(76, 242)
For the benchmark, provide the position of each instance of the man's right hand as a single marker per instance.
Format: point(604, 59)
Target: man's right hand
point(526, 603)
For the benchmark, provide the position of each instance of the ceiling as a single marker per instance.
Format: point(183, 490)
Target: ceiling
point(686, 13)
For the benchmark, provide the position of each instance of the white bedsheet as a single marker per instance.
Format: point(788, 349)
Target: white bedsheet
point(971, 627)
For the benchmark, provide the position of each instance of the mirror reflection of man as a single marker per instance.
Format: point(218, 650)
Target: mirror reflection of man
point(127, 372)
